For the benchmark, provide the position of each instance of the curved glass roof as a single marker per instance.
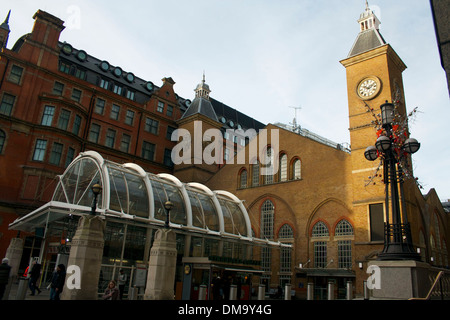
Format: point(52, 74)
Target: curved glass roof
point(130, 192)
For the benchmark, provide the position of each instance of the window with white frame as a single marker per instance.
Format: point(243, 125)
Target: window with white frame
point(296, 169)
point(283, 167)
point(267, 213)
point(344, 230)
point(320, 236)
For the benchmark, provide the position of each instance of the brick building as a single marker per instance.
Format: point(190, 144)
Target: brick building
point(58, 101)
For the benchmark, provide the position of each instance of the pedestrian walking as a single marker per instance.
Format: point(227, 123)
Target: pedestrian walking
point(57, 283)
point(5, 270)
point(34, 278)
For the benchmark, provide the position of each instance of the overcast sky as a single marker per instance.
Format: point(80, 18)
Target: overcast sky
point(263, 57)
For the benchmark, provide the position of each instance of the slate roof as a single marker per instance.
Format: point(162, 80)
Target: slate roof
point(367, 40)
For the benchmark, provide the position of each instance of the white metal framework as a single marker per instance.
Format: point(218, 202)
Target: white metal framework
point(131, 193)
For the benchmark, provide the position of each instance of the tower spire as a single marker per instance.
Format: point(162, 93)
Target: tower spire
point(202, 90)
point(4, 31)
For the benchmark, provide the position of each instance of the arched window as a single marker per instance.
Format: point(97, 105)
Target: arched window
point(267, 213)
point(286, 232)
point(320, 236)
point(283, 167)
point(2, 140)
point(243, 179)
point(296, 169)
point(344, 230)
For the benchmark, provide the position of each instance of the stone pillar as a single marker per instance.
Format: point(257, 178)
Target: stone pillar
point(162, 266)
point(85, 260)
point(14, 254)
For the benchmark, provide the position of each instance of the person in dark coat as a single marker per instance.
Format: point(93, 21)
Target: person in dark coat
point(5, 270)
point(57, 284)
point(34, 277)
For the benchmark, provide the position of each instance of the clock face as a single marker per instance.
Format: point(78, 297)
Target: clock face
point(368, 88)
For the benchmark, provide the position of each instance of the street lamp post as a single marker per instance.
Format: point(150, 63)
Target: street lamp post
point(397, 235)
point(96, 189)
point(168, 205)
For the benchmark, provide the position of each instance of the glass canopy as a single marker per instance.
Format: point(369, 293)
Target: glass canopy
point(131, 193)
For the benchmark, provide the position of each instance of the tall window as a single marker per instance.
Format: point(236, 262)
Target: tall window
point(320, 237)
point(243, 179)
point(7, 104)
point(344, 231)
point(99, 106)
point(76, 125)
point(151, 125)
point(16, 74)
point(376, 213)
point(255, 174)
point(70, 156)
point(47, 117)
point(115, 110)
point(296, 169)
point(55, 154)
point(63, 121)
point(94, 134)
point(2, 140)
point(286, 234)
point(148, 150)
point(39, 150)
point(283, 167)
point(58, 88)
point(267, 213)
point(110, 138)
point(125, 143)
point(268, 177)
point(129, 117)
point(160, 107)
point(76, 95)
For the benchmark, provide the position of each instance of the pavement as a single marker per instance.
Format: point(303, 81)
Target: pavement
point(44, 295)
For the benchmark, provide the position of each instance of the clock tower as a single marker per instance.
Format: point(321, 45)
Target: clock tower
point(374, 76)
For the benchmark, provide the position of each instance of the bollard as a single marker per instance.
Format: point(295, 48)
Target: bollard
point(366, 290)
point(349, 290)
point(330, 290)
point(202, 292)
point(310, 291)
point(22, 290)
point(287, 291)
point(262, 292)
point(233, 292)
point(133, 293)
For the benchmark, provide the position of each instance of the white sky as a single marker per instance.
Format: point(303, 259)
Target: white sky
point(262, 57)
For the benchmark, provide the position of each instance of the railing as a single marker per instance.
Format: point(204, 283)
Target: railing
point(440, 288)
